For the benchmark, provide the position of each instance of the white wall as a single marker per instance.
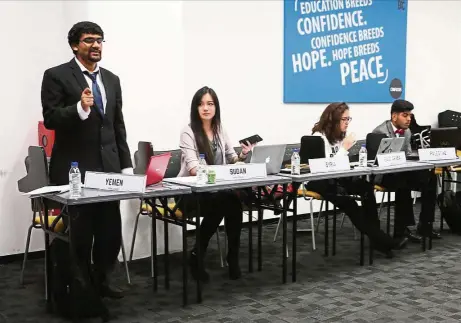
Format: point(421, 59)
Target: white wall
point(32, 40)
point(164, 51)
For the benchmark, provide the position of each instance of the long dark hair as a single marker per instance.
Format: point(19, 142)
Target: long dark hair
point(329, 123)
point(201, 139)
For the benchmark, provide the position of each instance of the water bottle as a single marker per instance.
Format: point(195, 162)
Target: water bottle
point(75, 181)
point(202, 170)
point(363, 157)
point(295, 162)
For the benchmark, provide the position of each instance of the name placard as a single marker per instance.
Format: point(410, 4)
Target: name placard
point(391, 159)
point(437, 153)
point(324, 165)
point(239, 171)
point(115, 182)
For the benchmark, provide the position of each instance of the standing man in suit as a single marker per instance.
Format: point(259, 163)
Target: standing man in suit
point(82, 103)
point(404, 183)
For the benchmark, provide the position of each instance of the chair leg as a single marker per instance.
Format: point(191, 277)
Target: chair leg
point(218, 241)
point(277, 229)
point(26, 252)
point(225, 241)
point(342, 221)
point(319, 217)
point(312, 227)
point(127, 271)
point(381, 206)
point(135, 230)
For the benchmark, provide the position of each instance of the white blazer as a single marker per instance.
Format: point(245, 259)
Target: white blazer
point(332, 150)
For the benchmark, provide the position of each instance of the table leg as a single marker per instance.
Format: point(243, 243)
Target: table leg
point(166, 245)
point(198, 249)
point(260, 228)
point(295, 230)
point(48, 263)
point(73, 214)
point(184, 260)
point(326, 229)
point(250, 240)
point(388, 225)
point(284, 239)
point(153, 247)
point(443, 191)
point(333, 252)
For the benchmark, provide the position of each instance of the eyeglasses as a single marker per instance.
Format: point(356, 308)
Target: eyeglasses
point(91, 40)
point(346, 119)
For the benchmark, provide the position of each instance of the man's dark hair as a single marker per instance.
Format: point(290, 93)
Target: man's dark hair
point(80, 28)
point(399, 106)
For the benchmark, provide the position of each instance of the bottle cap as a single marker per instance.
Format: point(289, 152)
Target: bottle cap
point(74, 164)
point(296, 150)
point(363, 145)
point(202, 155)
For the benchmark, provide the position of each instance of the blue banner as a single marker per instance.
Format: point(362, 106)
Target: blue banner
point(344, 50)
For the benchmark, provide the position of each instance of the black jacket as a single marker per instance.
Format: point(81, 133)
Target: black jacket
point(97, 143)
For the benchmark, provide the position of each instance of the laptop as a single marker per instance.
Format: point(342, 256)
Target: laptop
point(446, 137)
point(156, 168)
point(271, 155)
point(387, 146)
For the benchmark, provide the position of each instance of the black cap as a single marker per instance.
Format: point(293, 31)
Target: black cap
point(401, 106)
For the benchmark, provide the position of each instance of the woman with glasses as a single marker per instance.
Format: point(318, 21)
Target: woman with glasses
point(205, 135)
point(332, 127)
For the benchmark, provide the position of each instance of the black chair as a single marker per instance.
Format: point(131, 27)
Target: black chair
point(420, 135)
point(355, 150)
point(312, 147)
point(174, 166)
point(142, 157)
point(288, 153)
point(37, 177)
point(141, 161)
point(449, 118)
point(372, 144)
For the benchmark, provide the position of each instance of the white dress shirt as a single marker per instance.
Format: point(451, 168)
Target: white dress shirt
point(395, 129)
point(84, 114)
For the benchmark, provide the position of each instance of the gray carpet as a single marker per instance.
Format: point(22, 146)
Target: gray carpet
point(412, 287)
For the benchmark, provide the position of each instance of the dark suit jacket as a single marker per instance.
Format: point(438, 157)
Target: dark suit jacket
point(386, 128)
point(97, 143)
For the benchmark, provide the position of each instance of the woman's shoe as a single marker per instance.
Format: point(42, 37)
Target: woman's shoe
point(234, 267)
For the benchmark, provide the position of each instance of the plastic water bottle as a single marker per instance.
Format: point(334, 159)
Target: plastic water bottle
point(202, 170)
point(363, 157)
point(75, 181)
point(295, 162)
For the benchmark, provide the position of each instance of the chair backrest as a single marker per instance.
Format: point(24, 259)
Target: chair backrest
point(288, 153)
point(37, 170)
point(355, 149)
point(142, 156)
point(312, 147)
point(372, 144)
point(449, 118)
point(174, 165)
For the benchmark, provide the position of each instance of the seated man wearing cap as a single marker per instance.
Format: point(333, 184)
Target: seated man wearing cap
point(404, 183)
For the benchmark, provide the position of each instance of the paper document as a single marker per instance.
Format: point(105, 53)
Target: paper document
point(49, 189)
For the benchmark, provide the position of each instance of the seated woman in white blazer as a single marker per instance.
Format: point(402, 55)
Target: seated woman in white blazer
point(332, 127)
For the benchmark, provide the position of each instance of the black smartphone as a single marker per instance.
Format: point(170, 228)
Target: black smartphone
point(252, 140)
